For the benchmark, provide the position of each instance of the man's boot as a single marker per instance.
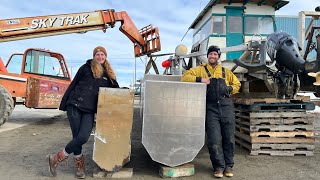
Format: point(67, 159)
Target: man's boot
point(80, 167)
point(54, 160)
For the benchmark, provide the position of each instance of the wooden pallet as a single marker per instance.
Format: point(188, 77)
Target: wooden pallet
point(272, 114)
point(277, 121)
point(269, 146)
point(288, 134)
point(272, 146)
point(278, 128)
point(274, 118)
point(276, 106)
point(281, 153)
point(250, 100)
point(243, 143)
point(274, 128)
point(283, 134)
point(281, 149)
point(297, 140)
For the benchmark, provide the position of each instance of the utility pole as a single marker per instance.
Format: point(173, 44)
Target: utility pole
point(71, 71)
point(135, 72)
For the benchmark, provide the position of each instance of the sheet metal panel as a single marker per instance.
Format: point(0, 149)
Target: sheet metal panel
point(173, 129)
point(162, 77)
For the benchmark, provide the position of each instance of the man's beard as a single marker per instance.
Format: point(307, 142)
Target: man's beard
point(213, 64)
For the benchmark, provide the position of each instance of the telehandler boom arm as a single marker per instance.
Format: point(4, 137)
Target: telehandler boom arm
point(146, 41)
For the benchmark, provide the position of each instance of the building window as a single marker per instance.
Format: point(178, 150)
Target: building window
point(235, 24)
point(259, 25)
point(203, 33)
point(218, 25)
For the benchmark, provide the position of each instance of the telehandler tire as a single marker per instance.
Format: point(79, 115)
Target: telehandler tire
point(6, 105)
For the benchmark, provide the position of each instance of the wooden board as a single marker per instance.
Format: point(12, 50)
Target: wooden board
point(112, 145)
point(265, 132)
point(300, 127)
point(243, 143)
point(278, 121)
point(276, 106)
point(280, 149)
point(281, 153)
point(273, 146)
point(274, 118)
point(277, 149)
point(249, 101)
point(283, 134)
point(248, 138)
point(274, 127)
point(286, 114)
point(283, 146)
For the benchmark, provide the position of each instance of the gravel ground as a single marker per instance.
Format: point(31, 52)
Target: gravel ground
point(23, 153)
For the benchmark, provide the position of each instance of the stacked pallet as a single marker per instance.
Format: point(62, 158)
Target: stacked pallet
point(276, 129)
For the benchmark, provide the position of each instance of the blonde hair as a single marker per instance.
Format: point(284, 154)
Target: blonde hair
point(97, 69)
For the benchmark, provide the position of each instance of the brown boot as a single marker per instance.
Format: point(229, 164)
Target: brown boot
point(54, 160)
point(218, 173)
point(228, 172)
point(80, 167)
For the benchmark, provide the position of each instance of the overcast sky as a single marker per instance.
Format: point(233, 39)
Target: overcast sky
point(173, 17)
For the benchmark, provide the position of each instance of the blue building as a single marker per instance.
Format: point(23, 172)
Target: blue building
point(290, 24)
point(232, 22)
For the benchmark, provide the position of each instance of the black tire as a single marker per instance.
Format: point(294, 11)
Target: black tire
point(6, 105)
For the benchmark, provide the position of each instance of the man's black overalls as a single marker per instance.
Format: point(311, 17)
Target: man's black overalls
point(220, 122)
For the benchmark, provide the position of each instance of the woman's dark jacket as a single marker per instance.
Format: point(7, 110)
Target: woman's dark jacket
point(84, 88)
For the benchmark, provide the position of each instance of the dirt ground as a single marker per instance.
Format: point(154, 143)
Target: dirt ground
point(23, 153)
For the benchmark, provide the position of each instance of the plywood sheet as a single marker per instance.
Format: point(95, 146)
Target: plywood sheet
point(112, 145)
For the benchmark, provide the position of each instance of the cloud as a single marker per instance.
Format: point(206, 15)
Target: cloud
point(172, 17)
point(295, 6)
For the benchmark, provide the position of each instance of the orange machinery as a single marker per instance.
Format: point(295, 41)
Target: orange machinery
point(40, 76)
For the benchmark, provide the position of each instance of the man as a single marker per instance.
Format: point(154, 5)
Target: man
point(220, 118)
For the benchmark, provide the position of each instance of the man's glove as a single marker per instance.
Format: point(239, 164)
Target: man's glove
point(229, 89)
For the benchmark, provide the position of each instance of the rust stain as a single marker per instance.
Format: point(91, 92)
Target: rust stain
point(126, 160)
point(45, 93)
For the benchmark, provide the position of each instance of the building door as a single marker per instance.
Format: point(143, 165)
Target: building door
point(235, 35)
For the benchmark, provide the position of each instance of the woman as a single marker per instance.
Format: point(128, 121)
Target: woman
point(80, 101)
